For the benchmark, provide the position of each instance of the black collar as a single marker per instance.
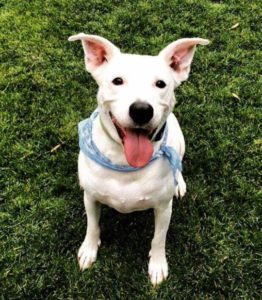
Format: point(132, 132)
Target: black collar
point(160, 133)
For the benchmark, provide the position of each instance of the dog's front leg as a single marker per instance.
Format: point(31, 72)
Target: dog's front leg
point(88, 250)
point(158, 268)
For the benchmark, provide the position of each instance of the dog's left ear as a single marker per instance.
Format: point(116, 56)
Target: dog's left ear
point(98, 50)
point(179, 55)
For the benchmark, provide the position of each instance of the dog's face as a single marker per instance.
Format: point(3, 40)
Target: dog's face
point(137, 90)
point(135, 93)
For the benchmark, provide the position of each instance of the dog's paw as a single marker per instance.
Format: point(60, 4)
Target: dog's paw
point(87, 254)
point(157, 269)
point(180, 190)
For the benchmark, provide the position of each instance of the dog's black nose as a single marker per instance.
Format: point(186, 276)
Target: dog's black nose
point(141, 112)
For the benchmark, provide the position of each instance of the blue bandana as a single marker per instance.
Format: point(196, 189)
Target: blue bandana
point(89, 148)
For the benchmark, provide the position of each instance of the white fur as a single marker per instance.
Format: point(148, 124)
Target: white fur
point(152, 186)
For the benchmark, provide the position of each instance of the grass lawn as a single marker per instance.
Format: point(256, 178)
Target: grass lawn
point(214, 242)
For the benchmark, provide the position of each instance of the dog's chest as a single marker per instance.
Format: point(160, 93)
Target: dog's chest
point(127, 192)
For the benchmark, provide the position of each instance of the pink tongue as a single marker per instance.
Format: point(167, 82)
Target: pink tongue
point(138, 148)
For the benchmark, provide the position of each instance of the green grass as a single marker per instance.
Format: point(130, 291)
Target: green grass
point(214, 242)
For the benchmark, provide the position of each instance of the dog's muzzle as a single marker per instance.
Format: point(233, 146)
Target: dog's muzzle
point(137, 141)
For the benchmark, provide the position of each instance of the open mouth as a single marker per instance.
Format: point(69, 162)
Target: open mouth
point(137, 143)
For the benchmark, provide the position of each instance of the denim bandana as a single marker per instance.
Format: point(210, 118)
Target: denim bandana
point(89, 148)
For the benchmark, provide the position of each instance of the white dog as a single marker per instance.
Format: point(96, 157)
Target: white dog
point(132, 147)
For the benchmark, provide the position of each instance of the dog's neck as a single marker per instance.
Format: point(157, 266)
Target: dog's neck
point(107, 141)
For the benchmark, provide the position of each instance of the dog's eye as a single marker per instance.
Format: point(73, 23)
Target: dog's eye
point(160, 84)
point(118, 81)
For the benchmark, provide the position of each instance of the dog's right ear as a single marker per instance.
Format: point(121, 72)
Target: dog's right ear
point(98, 50)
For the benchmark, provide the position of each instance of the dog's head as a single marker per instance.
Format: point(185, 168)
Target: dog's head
point(135, 93)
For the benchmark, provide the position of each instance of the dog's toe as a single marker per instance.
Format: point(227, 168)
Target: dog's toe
point(158, 270)
point(87, 255)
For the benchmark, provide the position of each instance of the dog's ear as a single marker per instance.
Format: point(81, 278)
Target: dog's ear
point(179, 55)
point(97, 50)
